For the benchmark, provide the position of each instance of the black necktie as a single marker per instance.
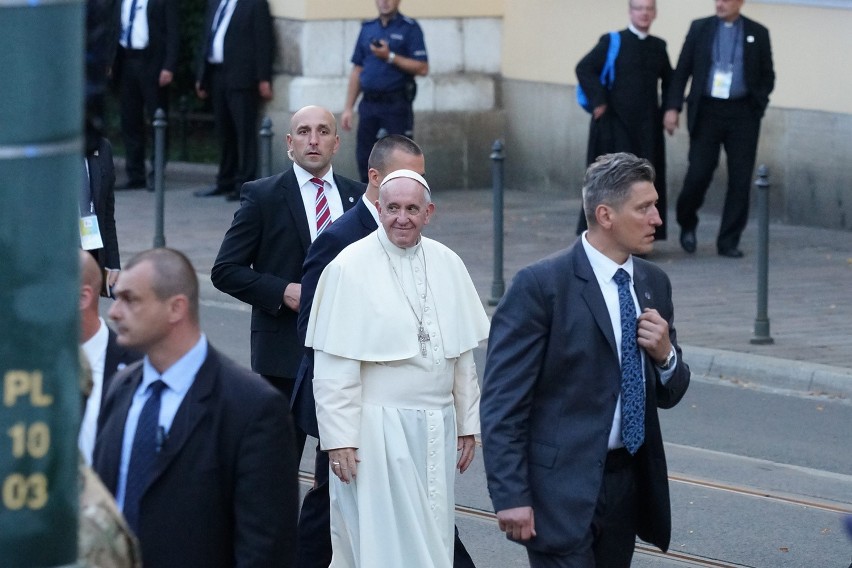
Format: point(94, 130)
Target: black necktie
point(217, 21)
point(632, 384)
point(143, 455)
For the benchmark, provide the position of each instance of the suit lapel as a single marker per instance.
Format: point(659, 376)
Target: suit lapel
point(110, 439)
point(293, 200)
point(191, 412)
point(592, 295)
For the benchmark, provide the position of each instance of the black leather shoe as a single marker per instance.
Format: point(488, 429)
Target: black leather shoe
point(730, 252)
point(131, 184)
point(687, 241)
point(232, 196)
point(214, 191)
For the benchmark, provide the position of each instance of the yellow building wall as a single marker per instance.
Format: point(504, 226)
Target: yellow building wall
point(364, 9)
point(544, 39)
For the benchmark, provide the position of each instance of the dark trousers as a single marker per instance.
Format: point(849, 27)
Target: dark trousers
point(315, 519)
point(140, 96)
point(377, 119)
point(235, 114)
point(612, 537)
point(734, 126)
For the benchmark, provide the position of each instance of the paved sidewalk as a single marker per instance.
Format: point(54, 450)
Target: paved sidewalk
point(810, 310)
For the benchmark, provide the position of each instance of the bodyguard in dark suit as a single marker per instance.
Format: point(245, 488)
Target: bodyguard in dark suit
point(260, 259)
point(100, 172)
point(144, 68)
point(197, 450)
point(235, 68)
point(729, 59)
point(570, 433)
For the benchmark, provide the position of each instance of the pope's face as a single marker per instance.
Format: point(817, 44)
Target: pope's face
point(404, 211)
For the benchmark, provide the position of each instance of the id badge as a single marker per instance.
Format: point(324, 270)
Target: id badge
point(90, 233)
point(722, 84)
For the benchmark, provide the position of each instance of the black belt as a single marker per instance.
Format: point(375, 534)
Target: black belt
point(131, 53)
point(391, 97)
point(618, 459)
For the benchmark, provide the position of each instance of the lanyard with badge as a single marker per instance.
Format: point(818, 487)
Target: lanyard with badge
point(723, 75)
point(90, 231)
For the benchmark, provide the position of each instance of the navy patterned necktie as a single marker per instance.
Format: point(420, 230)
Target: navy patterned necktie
point(632, 383)
point(143, 455)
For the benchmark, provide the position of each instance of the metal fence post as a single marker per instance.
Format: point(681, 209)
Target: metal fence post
point(498, 286)
point(761, 322)
point(160, 124)
point(183, 110)
point(265, 135)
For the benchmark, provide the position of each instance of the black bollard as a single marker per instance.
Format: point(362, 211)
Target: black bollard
point(498, 286)
point(183, 110)
point(159, 167)
point(265, 154)
point(761, 322)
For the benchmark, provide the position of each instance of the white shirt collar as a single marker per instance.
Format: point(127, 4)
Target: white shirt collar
point(603, 266)
point(640, 35)
point(303, 176)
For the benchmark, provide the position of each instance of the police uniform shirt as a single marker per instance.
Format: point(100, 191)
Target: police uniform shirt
point(404, 37)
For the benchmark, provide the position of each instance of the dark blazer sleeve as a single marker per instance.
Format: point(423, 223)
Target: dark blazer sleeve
point(236, 271)
point(172, 35)
point(759, 69)
point(686, 68)
point(265, 40)
point(517, 343)
point(589, 69)
point(105, 203)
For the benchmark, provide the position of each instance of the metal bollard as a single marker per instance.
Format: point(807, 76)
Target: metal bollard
point(761, 322)
point(265, 153)
point(160, 124)
point(498, 286)
point(183, 110)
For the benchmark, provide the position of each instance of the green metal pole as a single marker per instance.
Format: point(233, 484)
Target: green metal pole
point(41, 117)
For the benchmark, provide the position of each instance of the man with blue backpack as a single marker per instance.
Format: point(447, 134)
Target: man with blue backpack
point(620, 81)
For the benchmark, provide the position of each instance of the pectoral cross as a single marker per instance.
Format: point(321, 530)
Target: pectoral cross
point(422, 337)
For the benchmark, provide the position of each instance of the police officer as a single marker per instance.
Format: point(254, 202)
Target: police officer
point(389, 53)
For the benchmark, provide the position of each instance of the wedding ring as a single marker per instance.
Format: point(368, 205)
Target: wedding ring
point(335, 463)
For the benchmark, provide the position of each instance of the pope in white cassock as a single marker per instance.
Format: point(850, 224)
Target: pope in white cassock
point(393, 326)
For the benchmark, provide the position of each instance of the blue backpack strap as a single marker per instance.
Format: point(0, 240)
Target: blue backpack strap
point(608, 71)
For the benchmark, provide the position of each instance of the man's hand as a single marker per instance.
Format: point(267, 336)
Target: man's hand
point(292, 296)
point(382, 52)
point(467, 447)
point(598, 111)
point(346, 120)
point(344, 463)
point(671, 121)
point(264, 89)
point(166, 77)
point(517, 523)
point(652, 335)
point(201, 93)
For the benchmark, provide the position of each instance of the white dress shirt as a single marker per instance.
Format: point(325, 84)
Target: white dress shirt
point(309, 196)
point(95, 350)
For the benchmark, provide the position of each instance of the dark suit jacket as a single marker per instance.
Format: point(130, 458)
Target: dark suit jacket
point(117, 358)
point(261, 254)
point(102, 184)
point(552, 379)
point(354, 225)
point(163, 38)
point(248, 46)
point(224, 490)
point(696, 58)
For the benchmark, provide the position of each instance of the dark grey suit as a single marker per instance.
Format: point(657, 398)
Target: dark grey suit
point(551, 383)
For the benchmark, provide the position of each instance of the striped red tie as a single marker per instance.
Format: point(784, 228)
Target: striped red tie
point(323, 214)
